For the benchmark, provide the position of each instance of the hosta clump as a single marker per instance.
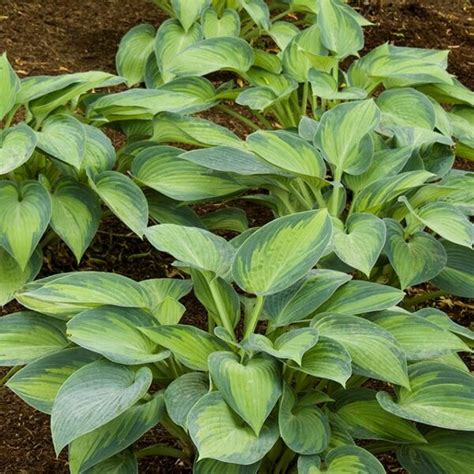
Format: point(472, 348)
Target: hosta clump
point(381, 167)
point(55, 172)
point(303, 72)
point(297, 365)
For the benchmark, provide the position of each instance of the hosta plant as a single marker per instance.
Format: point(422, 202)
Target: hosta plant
point(281, 72)
point(381, 168)
point(293, 368)
point(56, 172)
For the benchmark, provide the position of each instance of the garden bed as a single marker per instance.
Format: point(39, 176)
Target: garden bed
point(57, 36)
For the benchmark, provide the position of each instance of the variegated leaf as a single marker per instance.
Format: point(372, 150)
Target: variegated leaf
point(17, 145)
point(208, 251)
point(358, 297)
point(124, 198)
point(99, 392)
point(304, 428)
point(76, 215)
point(269, 261)
point(95, 447)
point(113, 332)
point(12, 277)
point(187, 13)
point(10, 86)
point(360, 244)
point(25, 211)
point(26, 336)
point(440, 396)
point(415, 259)
point(215, 25)
point(39, 382)
point(239, 382)
point(123, 463)
point(374, 351)
point(189, 345)
point(219, 434)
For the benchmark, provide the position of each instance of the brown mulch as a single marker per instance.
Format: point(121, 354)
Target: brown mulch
point(61, 36)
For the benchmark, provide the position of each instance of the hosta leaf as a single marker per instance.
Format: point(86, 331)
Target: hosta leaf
point(457, 277)
point(99, 153)
point(170, 40)
point(304, 429)
point(76, 215)
point(259, 12)
point(159, 289)
point(341, 142)
point(239, 382)
point(227, 24)
point(415, 259)
point(99, 392)
point(184, 95)
point(219, 433)
point(269, 261)
point(375, 352)
point(10, 86)
point(17, 144)
point(325, 86)
point(442, 320)
point(419, 338)
point(123, 463)
point(169, 127)
point(227, 218)
point(213, 54)
point(190, 345)
point(447, 221)
point(257, 98)
point(446, 452)
point(358, 297)
point(440, 396)
point(70, 293)
point(454, 93)
point(328, 360)
point(102, 443)
point(406, 107)
point(290, 345)
point(39, 382)
point(208, 251)
point(359, 246)
point(161, 169)
point(183, 393)
point(233, 160)
point(134, 49)
point(304, 297)
point(282, 32)
point(25, 211)
point(340, 31)
point(168, 211)
point(365, 419)
point(211, 466)
point(124, 198)
point(347, 459)
point(287, 151)
point(187, 13)
point(12, 277)
point(26, 336)
point(63, 137)
point(113, 332)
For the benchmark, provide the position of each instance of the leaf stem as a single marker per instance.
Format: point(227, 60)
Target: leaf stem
point(304, 102)
point(430, 295)
point(221, 307)
point(9, 375)
point(161, 450)
point(254, 316)
point(238, 116)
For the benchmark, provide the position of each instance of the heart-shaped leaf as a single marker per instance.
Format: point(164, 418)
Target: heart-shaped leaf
point(361, 243)
point(415, 259)
point(440, 396)
point(251, 389)
point(17, 144)
point(269, 261)
point(187, 13)
point(25, 211)
point(220, 434)
point(214, 26)
point(304, 428)
point(99, 392)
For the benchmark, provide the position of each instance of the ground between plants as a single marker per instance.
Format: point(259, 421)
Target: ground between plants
point(63, 36)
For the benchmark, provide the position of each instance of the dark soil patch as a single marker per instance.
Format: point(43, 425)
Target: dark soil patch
point(61, 36)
